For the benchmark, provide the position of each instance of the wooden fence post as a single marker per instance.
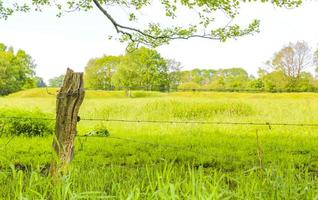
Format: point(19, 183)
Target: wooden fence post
point(69, 100)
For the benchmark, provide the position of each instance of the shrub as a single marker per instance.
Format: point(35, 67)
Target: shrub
point(25, 123)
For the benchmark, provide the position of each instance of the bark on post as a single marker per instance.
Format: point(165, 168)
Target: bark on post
point(69, 100)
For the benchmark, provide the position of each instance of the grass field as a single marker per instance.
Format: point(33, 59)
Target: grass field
point(169, 160)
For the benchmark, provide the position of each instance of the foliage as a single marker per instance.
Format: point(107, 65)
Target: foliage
point(189, 86)
point(39, 82)
point(99, 72)
point(275, 81)
point(25, 123)
point(231, 78)
point(56, 81)
point(306, 82)
point(256, 84)
point(174, 73)
point(156, 33)
point(16, 70)
point(199, 76)
point(316, 57)
point(287, 72)
point(292, 59)
point(287, 69)
point(145, 69)
point(142, 69)
point(316, 62)
point(222, 79)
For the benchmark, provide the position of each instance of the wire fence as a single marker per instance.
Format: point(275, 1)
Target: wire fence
point(227, 123)
point(185, 149)
point(269, 124)
point(131, 140)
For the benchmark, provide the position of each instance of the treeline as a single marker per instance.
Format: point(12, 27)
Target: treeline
point(237, 79)
point(145, 69)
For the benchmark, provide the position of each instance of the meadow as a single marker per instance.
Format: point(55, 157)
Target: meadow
point(169, 160)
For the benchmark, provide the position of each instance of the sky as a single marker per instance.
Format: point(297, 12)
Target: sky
point(58, 43)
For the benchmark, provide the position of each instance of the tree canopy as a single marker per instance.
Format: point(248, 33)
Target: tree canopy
point(145, 69)
point(16, 70)
point(316, 59)
point(141, 69)
point(99, 72)
point(154, 32)
point(287, 68)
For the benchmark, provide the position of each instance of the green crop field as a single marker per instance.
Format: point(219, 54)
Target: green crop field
point(168, 160)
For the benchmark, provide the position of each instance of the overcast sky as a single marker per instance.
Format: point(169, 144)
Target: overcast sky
point(70, 41)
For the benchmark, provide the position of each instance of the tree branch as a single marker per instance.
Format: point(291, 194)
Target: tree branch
point(125, 30)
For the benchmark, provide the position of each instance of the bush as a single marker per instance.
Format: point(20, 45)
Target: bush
point(25, 123)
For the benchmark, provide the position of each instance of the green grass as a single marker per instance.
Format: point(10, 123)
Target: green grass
point(170, 161)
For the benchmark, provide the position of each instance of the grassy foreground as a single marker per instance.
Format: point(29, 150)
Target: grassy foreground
point(171, 161)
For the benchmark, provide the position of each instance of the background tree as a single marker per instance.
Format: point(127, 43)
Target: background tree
point(174, 73)
point(199, 76)
point(16, 70)
point(255, 84)
point(99, 72)
point(143, 68)
point(292, 60)
point(156, 33)
point(56, 81)
point(316, 56)
point(316, 62)
point(188, 86)
point(39, 82)
point(232, 78)
point(275, 81)
point(126, 76)
point(306, 82)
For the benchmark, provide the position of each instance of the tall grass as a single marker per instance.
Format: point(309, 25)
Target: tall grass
point(171, 161)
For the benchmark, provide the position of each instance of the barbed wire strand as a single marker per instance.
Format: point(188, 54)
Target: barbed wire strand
point(176, 148)
point(269, 124)
point(202, 122)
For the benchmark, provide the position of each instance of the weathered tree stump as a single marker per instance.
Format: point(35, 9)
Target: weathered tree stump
point(69, 100)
